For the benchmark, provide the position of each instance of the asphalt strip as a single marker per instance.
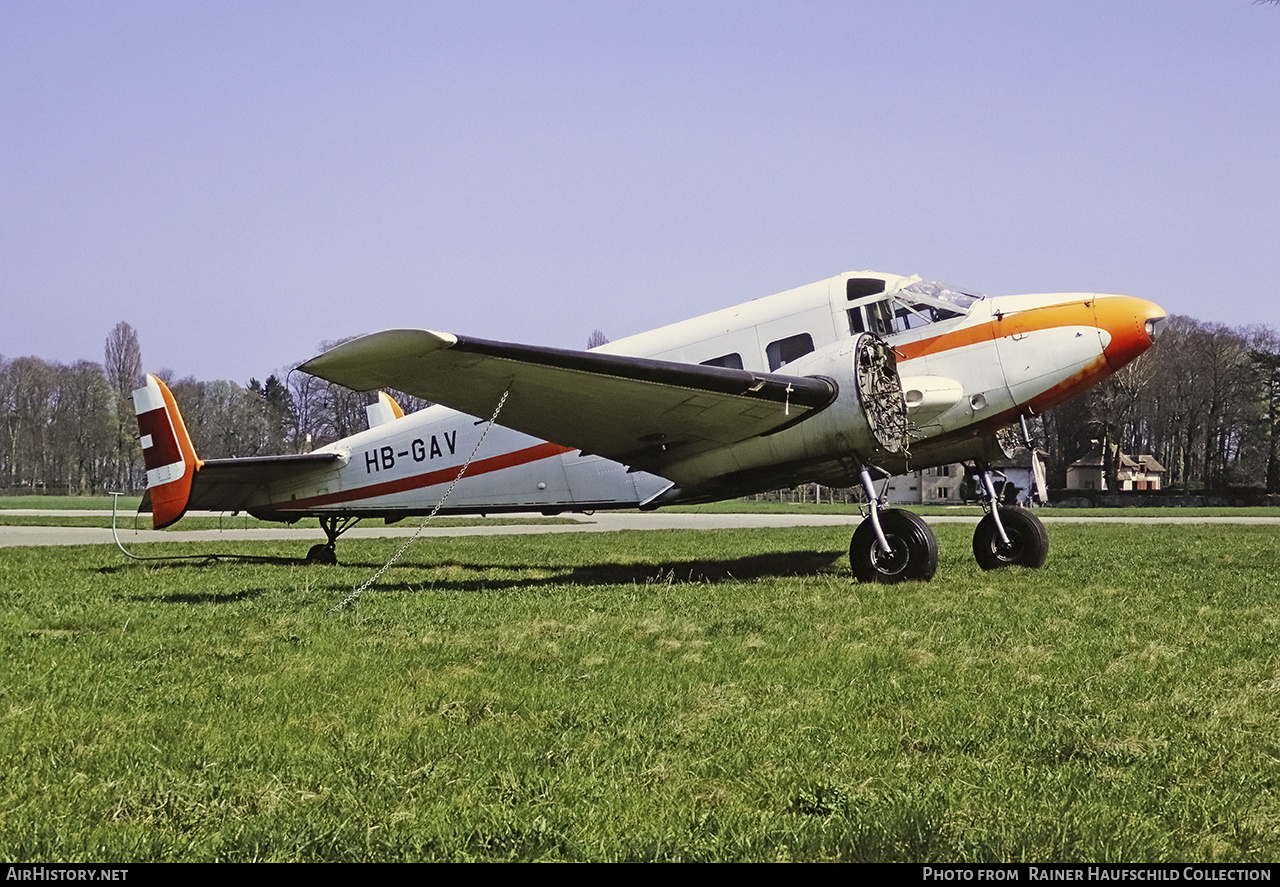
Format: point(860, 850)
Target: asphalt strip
point(600, 522)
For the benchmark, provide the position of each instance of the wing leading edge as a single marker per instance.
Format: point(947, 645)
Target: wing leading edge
point(642, 412)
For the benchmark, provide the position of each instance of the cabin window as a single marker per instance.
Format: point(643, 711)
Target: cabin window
point(857, 287)
point(732, 361)
point(783, 351)
point(855, 322)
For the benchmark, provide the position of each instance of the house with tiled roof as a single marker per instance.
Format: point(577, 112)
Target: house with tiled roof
point(1132, 472)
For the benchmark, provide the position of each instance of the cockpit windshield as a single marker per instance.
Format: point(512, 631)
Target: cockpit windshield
point(937, 296)
point(909, 307)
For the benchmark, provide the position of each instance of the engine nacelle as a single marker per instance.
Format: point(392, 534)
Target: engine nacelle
point(865, 424)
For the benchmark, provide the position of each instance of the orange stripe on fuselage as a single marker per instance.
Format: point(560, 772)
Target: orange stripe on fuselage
point(1123, 318)
point(421, 481)
point(1014, 323)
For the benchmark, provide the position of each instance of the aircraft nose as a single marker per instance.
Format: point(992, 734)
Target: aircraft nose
point(1132, 325)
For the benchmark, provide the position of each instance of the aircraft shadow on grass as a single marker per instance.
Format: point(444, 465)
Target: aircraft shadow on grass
point(229, 597)
point(187, 561)
point(755, 566)
point(474, 578)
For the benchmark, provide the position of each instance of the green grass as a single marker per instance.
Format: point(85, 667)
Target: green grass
point(64, 503)
point(649, 695)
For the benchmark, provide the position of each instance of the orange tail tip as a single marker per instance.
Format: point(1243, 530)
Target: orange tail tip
point(166, 451)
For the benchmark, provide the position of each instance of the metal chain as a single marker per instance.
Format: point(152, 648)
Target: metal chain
point(351, 598)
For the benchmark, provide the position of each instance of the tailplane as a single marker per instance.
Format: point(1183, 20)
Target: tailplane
point(167, 452)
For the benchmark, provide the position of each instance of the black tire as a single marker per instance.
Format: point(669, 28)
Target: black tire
point(1028, 541)
point(322, 554)
point(914, 554)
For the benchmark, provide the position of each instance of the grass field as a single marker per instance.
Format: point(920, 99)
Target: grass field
point(646, 696)
point(64, 503)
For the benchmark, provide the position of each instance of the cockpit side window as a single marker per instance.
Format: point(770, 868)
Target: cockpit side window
point(880, 318)
point(855, 321)
point(909, 308)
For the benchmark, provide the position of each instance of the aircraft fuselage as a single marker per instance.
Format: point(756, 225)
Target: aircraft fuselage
point(968, 367)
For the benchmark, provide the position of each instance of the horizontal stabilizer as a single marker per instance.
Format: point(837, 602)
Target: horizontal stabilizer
point(229, 484)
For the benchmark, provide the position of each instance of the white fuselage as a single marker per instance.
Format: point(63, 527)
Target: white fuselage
point(965, 374)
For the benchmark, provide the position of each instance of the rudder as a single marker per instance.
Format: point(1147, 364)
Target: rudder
point(167, 452)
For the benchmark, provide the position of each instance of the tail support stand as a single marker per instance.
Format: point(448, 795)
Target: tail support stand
point(115, 500)
point(874, 503)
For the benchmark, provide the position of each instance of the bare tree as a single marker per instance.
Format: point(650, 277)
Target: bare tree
point(30, 385)
point(124, 374)
point(7, 445)
point(82, 433)
point(306, 395)
point(596, 339)
point(1264, 351)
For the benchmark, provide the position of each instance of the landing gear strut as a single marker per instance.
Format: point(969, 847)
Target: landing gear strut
point(1007, 537)
point(891, 545)
point(333, 528)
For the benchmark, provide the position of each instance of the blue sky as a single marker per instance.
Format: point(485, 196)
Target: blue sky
point(240, 181)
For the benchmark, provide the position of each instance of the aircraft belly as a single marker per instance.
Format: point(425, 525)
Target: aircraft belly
point(596, 480)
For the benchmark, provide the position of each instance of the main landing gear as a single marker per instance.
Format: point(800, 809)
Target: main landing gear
point(333, 528)
point(892, 545)
point(1007, 537)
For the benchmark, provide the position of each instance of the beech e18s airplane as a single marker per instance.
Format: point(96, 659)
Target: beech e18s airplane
point(841, 382)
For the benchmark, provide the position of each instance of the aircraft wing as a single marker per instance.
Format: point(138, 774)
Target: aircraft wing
point(642, 412)
point(228, 484)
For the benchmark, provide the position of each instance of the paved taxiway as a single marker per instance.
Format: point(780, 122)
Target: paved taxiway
point(600, 522)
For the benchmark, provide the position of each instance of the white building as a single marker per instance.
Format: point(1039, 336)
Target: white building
point(1023, 471)
point(932, 486)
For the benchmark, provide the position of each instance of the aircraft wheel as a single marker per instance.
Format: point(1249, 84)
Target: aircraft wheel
point(1028, 541)
point(913, 554)
point(322, 554)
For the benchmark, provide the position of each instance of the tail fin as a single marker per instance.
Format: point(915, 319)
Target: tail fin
point(384, 411)
point(166, 451)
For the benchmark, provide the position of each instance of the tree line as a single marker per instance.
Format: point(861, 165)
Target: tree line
point(71, 429)
point(1205, 402)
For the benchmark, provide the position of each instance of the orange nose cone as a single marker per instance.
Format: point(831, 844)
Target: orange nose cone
point(1132, 324)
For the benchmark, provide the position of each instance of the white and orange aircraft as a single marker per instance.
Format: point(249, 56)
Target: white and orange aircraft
point(840, 382)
